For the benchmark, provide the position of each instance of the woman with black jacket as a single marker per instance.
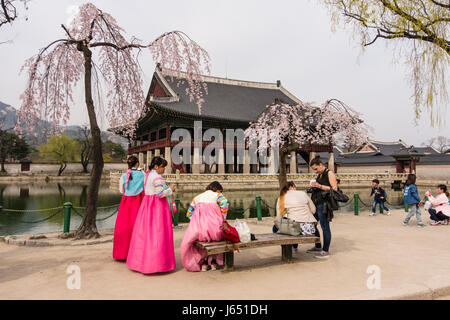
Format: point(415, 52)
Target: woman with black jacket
point(325, 181)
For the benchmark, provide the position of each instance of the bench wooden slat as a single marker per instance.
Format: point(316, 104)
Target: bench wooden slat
point(263, 240)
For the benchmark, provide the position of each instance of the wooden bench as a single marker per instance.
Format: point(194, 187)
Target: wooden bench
point(262, 240)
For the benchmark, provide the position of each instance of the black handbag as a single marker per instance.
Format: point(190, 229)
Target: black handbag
point(338, 195)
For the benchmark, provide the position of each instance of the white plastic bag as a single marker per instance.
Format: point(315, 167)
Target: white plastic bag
point(427, 205)
point(243, 231)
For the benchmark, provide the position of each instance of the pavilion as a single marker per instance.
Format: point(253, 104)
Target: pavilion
point(229, 104)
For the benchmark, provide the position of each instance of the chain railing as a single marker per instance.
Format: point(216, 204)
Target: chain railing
point(67, 208)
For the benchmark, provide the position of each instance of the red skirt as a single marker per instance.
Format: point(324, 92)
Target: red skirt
point(126, 217)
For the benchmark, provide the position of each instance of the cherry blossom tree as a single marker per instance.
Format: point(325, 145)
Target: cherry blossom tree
point(8, 10)
point(287, 128)
point(95, 50)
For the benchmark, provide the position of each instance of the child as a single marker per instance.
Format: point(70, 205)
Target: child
point(412, 200)
point(151, 246)
point(380, 197)
point(131, 185)
point(441, 213)
point(207, 213)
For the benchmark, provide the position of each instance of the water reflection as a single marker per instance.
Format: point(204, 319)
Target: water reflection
point(38, 195)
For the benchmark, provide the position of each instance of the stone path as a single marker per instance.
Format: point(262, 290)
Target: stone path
point(413, 263)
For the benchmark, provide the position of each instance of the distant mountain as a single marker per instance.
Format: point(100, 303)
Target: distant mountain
point(8, 119)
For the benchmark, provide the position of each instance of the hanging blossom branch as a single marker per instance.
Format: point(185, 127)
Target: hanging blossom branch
point(306, 124)
point(57, 68)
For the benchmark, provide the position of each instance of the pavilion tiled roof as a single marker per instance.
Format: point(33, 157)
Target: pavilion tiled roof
point(226, 99)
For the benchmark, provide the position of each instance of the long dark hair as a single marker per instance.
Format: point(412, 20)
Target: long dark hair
point(286, 187)
point(283, 192)
point(411, 179)
point(131, 162)
point(315, 161)
point(157, 161)
point(215, 186)
point(443, 187)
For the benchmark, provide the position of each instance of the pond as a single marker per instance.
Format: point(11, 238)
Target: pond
point(41, 196)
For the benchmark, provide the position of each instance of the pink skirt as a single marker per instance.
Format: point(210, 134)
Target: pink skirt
point(126, 217)
point(204, 227)
point(151, 246)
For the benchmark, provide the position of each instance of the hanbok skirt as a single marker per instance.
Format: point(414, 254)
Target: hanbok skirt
point(126, 217)
point(151, 246)
point(204, 226)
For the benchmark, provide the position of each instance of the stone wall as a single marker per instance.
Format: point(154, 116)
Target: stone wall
point(191, 182)
point(52, 169)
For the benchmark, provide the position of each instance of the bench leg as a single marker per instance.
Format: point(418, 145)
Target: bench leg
point(229, 261)
point(286, 253)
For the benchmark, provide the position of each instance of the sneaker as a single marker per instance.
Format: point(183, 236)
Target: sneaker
point(435, 223)
point(314, 249)
point(405, 223)
point(388, 213)
point(445, 222)
point(213, 266)
point(204, 267)
point(322, 255)
point(420, 225)
point(372, 214)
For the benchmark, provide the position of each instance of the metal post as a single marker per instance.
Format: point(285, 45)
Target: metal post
point(67, 212)
point(258, 207)
point(177, 205)
point(356, 204)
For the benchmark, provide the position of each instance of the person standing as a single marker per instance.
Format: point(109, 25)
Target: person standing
point(151, 246)
point(325, 181)
point(380, 197)
point(412, 200)
point(131, 185)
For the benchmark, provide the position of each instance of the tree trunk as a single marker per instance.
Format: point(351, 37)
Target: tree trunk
point(62, 167)
point(282, 179)
point(3, 165)
point(283, 152)
point(88, 227)
point(85, 166)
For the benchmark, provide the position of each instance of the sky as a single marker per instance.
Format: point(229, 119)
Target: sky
point(265, 41)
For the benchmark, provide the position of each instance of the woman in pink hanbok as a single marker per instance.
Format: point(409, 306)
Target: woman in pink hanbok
point(151, 246)
point(207, 213)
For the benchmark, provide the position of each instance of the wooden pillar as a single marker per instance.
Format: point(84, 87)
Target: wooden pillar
point(331, 161)
point(246, 162)
point(167, 156)
point(196, 161)
point(293, 163)
point(141, 160)
point(149, 159)
point(271, 163)
point(311, 156)
point(221, 164)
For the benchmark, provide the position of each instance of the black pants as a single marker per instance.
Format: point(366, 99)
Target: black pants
point(275, 229)
point(437, 216)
